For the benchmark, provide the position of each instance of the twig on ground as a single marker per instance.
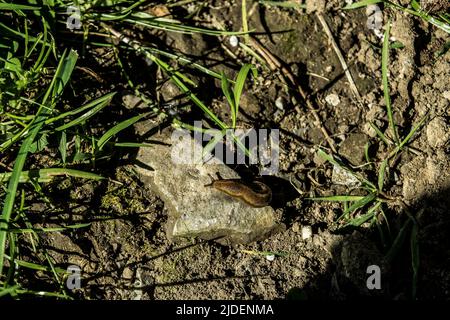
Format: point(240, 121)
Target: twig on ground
point(275, 64)
point(341, 58)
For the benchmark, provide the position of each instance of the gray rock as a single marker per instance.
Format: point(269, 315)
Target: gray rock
point(343, 177)
point(196, 210)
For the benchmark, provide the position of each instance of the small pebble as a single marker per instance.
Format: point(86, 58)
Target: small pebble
point(306, 232)
point(295, 227)
point(234, 41)
point(127, 273)
point(333, 99)
point(270, 257)
point(279, 103)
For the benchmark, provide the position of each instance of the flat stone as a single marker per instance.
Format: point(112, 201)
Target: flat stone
point(197, 210)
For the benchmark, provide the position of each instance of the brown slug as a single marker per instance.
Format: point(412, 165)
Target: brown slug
point(257, 194)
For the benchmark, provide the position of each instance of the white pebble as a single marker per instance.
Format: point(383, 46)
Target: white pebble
point(234, 41)
point(306, 232)
point(279, 103)
point(270, 257)
point(333, 99)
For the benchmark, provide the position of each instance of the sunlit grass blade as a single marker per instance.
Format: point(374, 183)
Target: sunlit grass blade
point(408, 136)
point(412, 132)
point(148, 21)
point(52, 229)
point(179, 58)
point(35, 266)
point(117, 128)
point(358, 204)
point(230, 97)
point(337, 198)
point(238, 87)
point(380, 134)
point(371, 213)
point(47, 175)
point(13, 6)
point(8, 290)
point(95, 106)
point(91, 105)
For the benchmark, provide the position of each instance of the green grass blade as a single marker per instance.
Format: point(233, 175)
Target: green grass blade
point(8, 290)
point(34, 266)
point(381, 175)
point(53, 229)
point(117, 128)
point(408, 137)
point(412, 132)
point(93, 104)
point(380, 134)
point(231, 100)
point(62, 148)
point(371, 213)
point(98, 104)
point(358, 204)
point(46, 175)
point(239, 87)
point(337, 198)
point(187, 91)
point(12, 6)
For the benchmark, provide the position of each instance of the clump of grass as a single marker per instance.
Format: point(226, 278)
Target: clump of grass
point(371, 207)
point(33, 114)
point(440, 20)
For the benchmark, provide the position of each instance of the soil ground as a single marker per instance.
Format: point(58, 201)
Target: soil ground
point(125, 253)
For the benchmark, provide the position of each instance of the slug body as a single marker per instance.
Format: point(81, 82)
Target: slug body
point(256, 195)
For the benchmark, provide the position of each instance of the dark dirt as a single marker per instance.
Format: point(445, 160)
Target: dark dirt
point(125, 253)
